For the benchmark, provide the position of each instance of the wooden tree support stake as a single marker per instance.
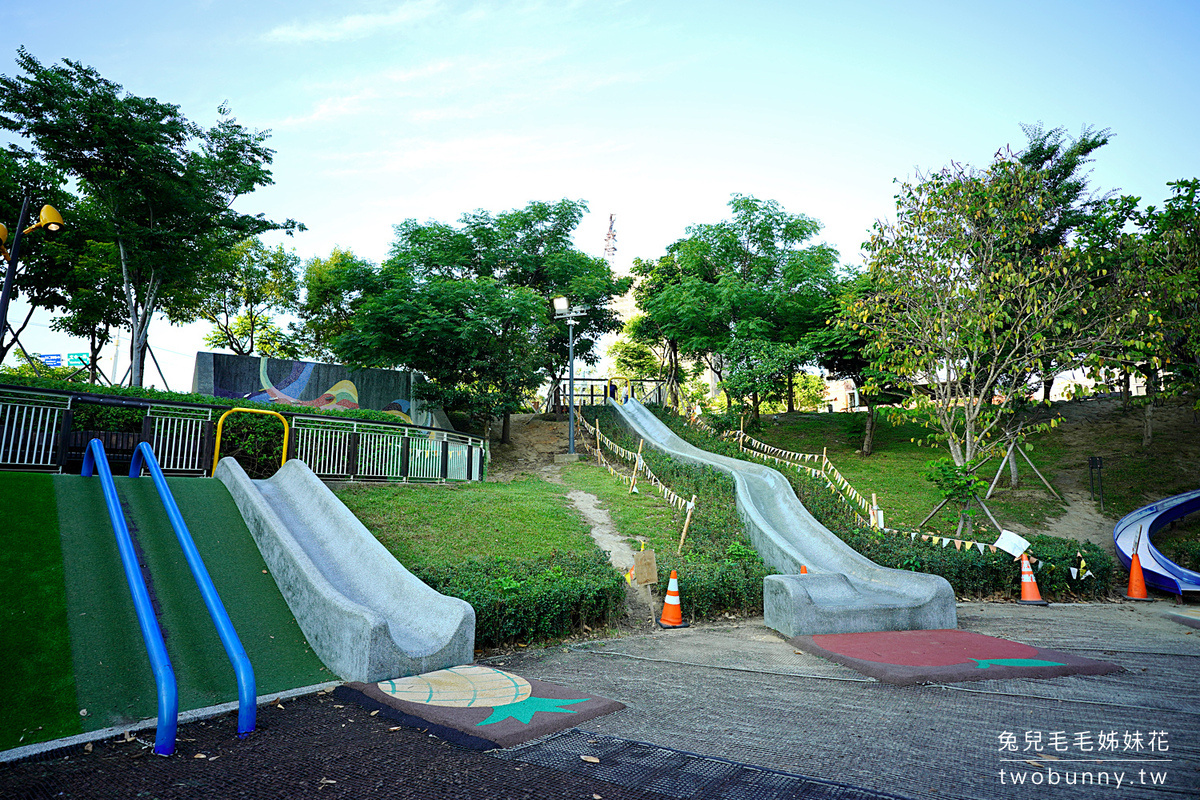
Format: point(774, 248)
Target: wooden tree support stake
point(686, 523)
point(636, 462)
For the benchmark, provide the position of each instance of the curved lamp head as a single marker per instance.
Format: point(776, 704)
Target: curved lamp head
point(3, 234)
point(49, 219)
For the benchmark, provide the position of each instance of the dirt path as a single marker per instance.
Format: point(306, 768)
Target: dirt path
point(535, 443)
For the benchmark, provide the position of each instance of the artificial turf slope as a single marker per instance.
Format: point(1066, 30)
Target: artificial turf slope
point(35, 653)
point(112, 673)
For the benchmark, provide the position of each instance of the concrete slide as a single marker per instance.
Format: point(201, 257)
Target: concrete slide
point(366, 616)
point(843, 592)
point(1158, 570)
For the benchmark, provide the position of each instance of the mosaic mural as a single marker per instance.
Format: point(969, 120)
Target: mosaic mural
point(317, 386)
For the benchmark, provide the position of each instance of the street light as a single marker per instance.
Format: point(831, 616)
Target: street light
point(51, 220)
point(564, 310)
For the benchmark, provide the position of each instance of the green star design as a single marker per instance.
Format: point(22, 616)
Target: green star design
point(523, 710)
point(984, 663)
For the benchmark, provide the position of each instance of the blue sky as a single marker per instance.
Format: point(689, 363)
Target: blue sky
point(653, 111)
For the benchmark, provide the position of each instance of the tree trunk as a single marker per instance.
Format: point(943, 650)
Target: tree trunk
point(754, 405)
point(868, 444)
point(1014, 480)
point(1126, 394)
point(1148, 418)
point(1047, 385)
point(791, 404)
point(506, 430)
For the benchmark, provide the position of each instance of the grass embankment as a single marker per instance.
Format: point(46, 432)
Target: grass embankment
point(517, 552)
point(894, 470)
point(970, 571)
point(719, 570)
point(35, 645)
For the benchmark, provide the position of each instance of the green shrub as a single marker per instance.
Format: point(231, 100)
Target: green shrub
point(531, 600)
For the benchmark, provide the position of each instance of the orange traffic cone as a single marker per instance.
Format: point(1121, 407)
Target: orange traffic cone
point(803, 570)
point(1137, 581)
point(1030, 595)
point(672, 616)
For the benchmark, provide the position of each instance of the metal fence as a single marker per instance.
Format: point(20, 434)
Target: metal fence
point(36, 434)
point(32, 428)
point(596, 391)
point(181, 437)
point(352, 450)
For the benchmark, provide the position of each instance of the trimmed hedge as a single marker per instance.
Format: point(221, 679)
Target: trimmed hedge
point(970, 573)
point(533, 600)
point(719, 570)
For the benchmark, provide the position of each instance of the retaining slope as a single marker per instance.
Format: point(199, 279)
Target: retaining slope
point(366, 616)
point(843, 592)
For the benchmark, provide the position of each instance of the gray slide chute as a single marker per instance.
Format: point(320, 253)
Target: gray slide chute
point(366, 616)
point(843, 592)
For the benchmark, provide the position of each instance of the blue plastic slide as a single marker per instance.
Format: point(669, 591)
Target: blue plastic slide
point(1160, 571)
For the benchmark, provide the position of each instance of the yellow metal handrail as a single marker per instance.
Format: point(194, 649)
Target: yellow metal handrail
point(221, 423)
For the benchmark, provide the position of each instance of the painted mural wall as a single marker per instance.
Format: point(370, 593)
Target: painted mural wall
point(312, 385)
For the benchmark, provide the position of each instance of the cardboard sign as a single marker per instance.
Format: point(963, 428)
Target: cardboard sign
point(645, 567)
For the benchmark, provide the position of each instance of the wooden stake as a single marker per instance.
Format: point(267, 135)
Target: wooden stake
point(874, 512)
point(598, 461)
point(931, 513)
point(633, 482)
point(1000, 469)
point(989, 513)
point(686, 523)
point(1039, 474)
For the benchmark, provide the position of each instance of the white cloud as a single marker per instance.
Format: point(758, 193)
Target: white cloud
point(353, 26)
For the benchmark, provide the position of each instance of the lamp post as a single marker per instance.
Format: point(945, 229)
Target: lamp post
point(51, 220)
point(564, 310)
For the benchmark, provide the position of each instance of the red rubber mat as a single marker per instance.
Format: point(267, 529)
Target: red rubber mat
point(944, 656)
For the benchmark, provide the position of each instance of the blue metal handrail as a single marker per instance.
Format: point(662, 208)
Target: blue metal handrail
point(160, 663)
point(242, 670)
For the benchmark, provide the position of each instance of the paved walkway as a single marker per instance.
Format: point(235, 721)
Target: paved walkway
point(736, 692)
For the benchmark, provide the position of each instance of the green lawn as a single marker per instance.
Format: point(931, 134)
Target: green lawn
point(894, 470)
point(639, 516)
point(525, 518)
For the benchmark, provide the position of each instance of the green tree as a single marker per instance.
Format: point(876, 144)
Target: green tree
point(844, 353)
point(1153, 258)
point(40, 277)
point(730, 286)
point(634, 360)
point(255, 282)
point(528, 247)
point(165, 186)
point(957, 315)
point(331, 290)
point(1067, 203)
point(480, 343)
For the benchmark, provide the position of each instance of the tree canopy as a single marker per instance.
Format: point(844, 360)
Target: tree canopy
point(164, 186)
point(740, 294)
point(958, 313)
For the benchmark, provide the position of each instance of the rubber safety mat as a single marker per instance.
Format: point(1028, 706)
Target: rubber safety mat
point(944, 656)
point(675, 773)
point(479, 707)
